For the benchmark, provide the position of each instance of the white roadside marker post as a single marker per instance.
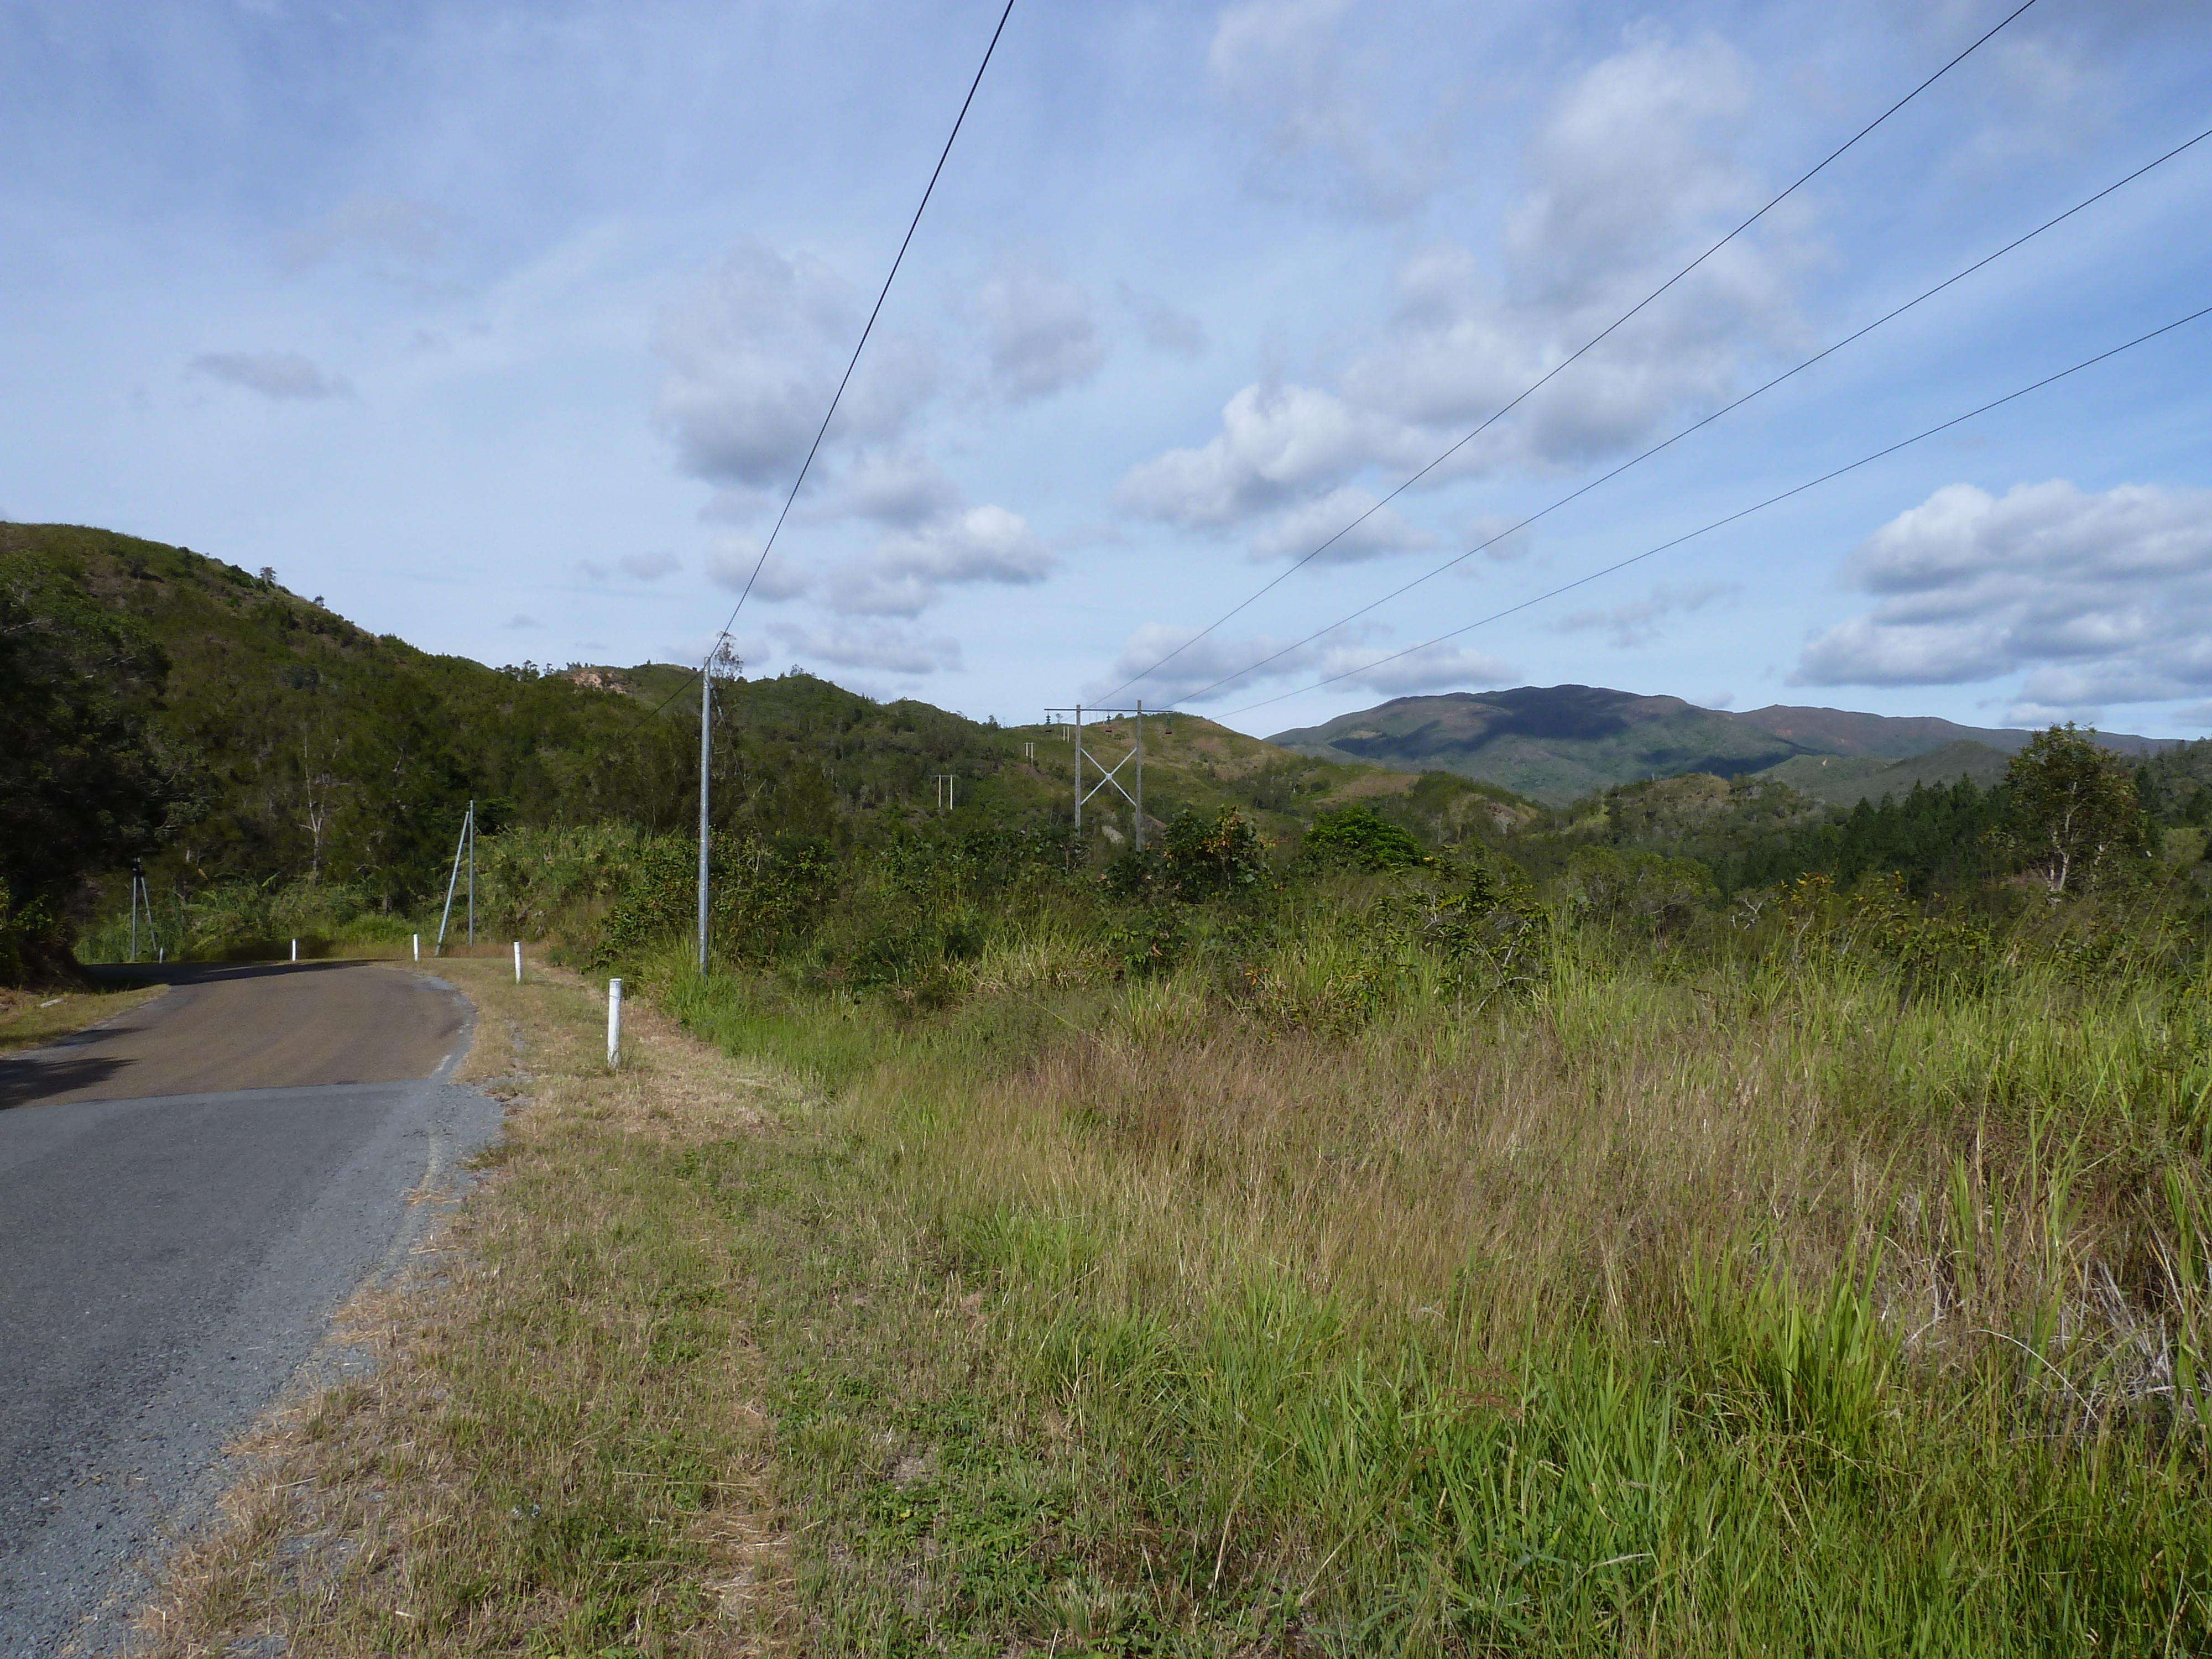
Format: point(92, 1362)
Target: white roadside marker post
point(614, 1025)
point(295, 950)
point(418, 947)
point(518, 961)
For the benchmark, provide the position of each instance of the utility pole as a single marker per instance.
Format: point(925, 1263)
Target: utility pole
point(705, 740)
point(134, 912)
point(466, 841)
point(728, 660)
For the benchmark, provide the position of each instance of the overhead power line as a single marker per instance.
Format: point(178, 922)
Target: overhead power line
point(1549, 374)
point(860, 344)
point(1666, 443)
point(1741, 513)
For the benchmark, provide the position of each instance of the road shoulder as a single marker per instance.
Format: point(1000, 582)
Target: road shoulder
point(549, 1430)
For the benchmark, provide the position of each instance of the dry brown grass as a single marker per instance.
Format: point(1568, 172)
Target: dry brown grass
point(28, 1018)
point(531, 1459)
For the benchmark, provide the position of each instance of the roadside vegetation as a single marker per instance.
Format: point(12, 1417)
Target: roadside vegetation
point(1431, 1231)
point(1345, 1213)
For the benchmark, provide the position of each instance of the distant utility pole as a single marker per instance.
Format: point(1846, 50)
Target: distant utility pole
point(945, 791)
point(724, 658)
point(138, 886)
point(467, 842)
point(1074, 726)
point(706, 754)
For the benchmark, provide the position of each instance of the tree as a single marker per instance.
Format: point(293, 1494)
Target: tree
point(1358, 835)
point(86, 782)
point(2072, 816)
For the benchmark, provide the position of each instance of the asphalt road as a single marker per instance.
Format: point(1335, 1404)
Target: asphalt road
point(186, 1195)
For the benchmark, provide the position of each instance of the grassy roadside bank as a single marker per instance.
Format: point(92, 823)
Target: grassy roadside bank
point(560, 1450)
point(28, 1018)
point(1745, 1313)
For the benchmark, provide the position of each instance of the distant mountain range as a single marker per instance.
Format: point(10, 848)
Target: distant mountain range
point(1554, 744)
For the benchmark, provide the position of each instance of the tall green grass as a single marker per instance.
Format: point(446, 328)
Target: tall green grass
point(1739, 1306)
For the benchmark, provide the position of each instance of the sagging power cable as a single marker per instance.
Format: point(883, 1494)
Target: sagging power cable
point(1538, 385)
point(859, 345)
point(1666, 443)
point(1741, 513)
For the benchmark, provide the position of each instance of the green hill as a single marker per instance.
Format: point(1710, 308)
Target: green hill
point(1846, 780)
point(321, 753)
point(1557, 743)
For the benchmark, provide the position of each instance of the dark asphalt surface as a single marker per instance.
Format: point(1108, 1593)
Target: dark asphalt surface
point(170, 1258)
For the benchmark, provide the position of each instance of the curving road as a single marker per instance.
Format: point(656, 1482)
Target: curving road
point(187, 1195)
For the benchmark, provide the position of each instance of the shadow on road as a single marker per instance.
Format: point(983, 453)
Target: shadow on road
point(25, 1083)
point(210, 973)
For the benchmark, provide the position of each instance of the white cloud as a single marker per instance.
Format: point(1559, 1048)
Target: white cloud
point(519, 620)
point(2097, 598)
point(886, 649)
point(650, 567)
point(1633, 169)
point(1043, 338)
point(1275, 443)
point(272, 374)
point(1298, 531)
point(753, 355)
point(896, 487)
point(1637, 622)
point(906, 572)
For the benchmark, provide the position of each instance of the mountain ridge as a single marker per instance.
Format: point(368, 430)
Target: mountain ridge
point(1554, 744)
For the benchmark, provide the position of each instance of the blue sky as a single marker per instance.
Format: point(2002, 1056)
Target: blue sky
point(504, 329)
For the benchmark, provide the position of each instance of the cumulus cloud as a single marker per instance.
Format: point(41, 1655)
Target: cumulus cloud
point(895, 487)
point(1635, 168)
point(1299, 530)
point(753, 356)
point(1637, 623)
point(2098, 597)
point(650, 567)
point(886, 649)
point(1275, 444)
point(906, 572)
point(272, 374)
point(1042, 337)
